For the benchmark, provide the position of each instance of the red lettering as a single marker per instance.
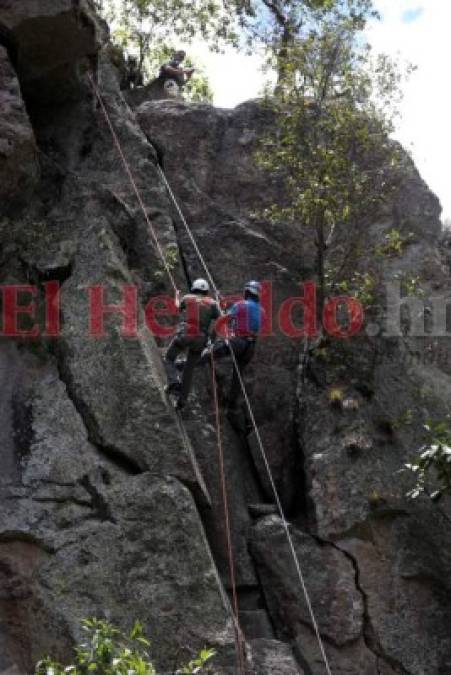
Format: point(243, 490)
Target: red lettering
point(160, 306)
point(128, 309)
point(355, 317)
point(308, 303)
point(52, 309)
point(266, 301)
point(12, 311)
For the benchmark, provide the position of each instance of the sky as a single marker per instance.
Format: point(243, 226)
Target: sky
point(415, 32)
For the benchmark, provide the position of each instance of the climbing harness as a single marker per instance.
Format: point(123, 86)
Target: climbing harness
point(298, 568)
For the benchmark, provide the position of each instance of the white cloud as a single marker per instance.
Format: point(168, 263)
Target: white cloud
point(424, 127)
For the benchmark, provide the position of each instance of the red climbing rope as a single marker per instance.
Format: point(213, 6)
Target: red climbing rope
point(300, 574)
point(240, 651)
point(238, 633)
point(132, 179)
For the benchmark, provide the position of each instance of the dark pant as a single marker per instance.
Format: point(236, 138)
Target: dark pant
point(243, 349)
point(181, 343)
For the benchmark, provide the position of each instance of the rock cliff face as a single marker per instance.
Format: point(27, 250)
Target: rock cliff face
point(111, 504)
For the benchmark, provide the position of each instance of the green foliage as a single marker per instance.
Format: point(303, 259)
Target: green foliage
point(336, 395)
point(322, 353)
point(198, 87)
point(199, 664)
point(434, 463)
point(107, 651)
point(171, 256)
point(406, 419)
point(360, 286)
point(279, 23)
point(330, 142)
point(394, 244)
point(410, 284)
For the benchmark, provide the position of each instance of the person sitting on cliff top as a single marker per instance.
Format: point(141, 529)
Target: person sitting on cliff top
point(172, 71)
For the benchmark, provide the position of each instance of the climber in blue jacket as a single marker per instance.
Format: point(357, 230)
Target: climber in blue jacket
point(245, 319)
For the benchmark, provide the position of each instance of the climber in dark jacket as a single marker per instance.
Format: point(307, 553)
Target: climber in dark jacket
point(172, 70)
point(134, 74)
point(199, 313)
point(245, 319)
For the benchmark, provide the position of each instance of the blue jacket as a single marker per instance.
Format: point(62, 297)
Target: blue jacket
point(247, 318)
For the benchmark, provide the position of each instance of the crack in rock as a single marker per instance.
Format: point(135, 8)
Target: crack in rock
point(119, 459)
point(369, 633)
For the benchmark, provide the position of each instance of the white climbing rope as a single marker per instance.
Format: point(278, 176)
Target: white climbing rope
point(297, 563)
point(132, 180)
point(190, 234)
point(282, 516)
point(134, 185)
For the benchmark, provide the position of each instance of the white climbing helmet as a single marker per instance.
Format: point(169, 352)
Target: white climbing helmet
point(200, 285)
point(254, 288)
point(171, 88)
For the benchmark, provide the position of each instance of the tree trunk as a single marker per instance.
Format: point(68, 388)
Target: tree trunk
point(283, 57)
point(321, 248)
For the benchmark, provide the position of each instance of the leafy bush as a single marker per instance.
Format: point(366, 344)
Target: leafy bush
point(394, 243)
point(108, 651)
point(360, 286)
point(171, 256)
point(434, 462)
point(410, 284)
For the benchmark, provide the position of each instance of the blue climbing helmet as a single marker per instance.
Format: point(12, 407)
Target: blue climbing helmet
point(254, 288)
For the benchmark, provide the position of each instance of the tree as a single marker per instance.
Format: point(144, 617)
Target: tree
point(330, 140)
point(280, 24)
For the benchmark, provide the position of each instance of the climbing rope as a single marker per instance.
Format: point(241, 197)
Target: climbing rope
point(241, 658)
point(128, 170)
point(190, 234)
point(297, 563)
point(285, 525)
point(238, 632)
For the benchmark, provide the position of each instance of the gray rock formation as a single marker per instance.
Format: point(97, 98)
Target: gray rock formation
point(19, 166)
point(348, 456)
point(95, 472)
point(111, 504)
